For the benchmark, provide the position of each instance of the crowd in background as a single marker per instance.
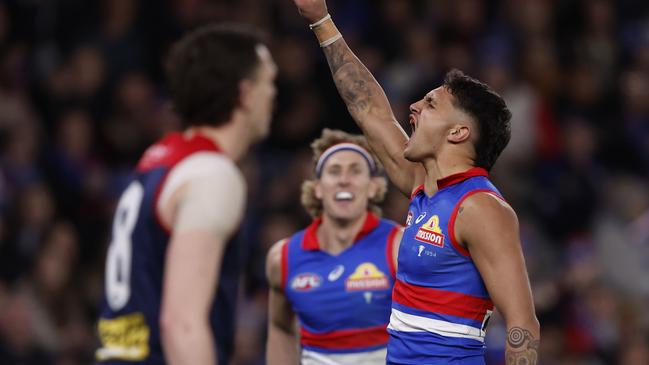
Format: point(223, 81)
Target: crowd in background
point(82, 95)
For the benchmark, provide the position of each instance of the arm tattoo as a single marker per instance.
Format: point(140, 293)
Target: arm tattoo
point(354, 82)
point(522, 347)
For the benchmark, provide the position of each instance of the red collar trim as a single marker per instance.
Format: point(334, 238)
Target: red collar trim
point(310, 240)
point(200, 138)
point(459, 177)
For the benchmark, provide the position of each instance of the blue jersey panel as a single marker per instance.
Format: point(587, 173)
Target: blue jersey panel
point(342, 294)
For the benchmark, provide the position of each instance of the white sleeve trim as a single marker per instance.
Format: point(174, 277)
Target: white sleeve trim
point(214, 194)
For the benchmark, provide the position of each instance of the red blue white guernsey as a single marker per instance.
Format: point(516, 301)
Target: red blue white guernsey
point(128, 325)
point(342, 301)
point(440, 306)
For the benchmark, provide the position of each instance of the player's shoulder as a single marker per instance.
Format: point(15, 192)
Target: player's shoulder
point(487, 205)
point(204, 163)
point(174, 148)
point(274, 259)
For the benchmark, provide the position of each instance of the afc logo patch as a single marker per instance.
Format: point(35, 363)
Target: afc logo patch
point(306, 281)
point(430, 232)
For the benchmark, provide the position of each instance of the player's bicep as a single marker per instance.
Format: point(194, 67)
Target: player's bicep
point(212, 203)
point(208, 208)
point(489, 228)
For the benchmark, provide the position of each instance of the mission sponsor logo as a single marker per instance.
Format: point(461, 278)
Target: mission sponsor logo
point(306, 281)
point(430, 232)
point(367, 277)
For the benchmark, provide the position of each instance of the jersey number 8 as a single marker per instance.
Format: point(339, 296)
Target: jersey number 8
point(118, 260)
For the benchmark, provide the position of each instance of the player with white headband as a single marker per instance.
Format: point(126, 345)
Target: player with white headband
point(336, 276)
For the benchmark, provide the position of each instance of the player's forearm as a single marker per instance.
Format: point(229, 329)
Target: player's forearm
point(359, 90)
point(185, 342)
point(369, 107)
point(281, 347)
point(522, 343)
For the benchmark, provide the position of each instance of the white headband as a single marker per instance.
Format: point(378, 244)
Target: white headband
point(344, 147)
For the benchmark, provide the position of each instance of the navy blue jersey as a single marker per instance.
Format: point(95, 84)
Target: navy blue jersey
point(129, 321)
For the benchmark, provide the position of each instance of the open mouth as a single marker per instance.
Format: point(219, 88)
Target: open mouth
point(344, 196)
point(413, 123)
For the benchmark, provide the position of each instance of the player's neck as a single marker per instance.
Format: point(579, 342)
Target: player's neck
point(336, 235)
point(230, 137)
point(441, 167)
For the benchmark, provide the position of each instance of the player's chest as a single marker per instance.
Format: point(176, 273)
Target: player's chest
point(426, 241)
point(319, 278)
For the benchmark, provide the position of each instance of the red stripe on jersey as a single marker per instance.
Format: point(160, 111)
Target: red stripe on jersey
point(389, 254)
point(459, 177)
point(416, 191)
point(346, 339)
point(441, 301)
point(310, 240)
point(284, 266)
point(172, 148)
point(167, 152)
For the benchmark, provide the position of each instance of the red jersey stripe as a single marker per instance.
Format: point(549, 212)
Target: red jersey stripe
point(441, 301)
point(346, 339)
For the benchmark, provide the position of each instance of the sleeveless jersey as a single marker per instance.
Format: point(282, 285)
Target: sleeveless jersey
point(129, 321)
point(440, 306)
point(342, 301)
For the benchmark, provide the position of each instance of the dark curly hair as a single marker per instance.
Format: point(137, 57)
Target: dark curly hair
point(204, 69)
point(489, 111)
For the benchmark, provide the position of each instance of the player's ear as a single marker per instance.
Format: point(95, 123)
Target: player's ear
point(246, 87)
point(458, 133)
point(317, 189)
point(373, 189)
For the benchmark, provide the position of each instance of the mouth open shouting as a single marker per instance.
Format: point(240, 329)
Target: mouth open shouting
point(344, 196)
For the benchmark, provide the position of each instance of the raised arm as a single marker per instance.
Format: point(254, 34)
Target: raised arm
point(489, 229)
point(364, 98)
point(203, 212)
point(281, 346)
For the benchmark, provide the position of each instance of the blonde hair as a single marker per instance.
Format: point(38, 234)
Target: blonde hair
point(331, 137)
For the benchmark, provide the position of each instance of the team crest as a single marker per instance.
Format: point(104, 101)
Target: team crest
point(430, 232)
point(366, 277)
point(306, 281)
point(409, 219)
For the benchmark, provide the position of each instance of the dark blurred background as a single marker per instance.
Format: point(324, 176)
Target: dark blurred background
point(82, 94)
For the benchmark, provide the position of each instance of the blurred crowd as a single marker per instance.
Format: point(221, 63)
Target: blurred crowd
point(82, 94)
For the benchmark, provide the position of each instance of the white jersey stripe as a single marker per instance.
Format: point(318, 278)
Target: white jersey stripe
point(376, 357)
point(404, 322)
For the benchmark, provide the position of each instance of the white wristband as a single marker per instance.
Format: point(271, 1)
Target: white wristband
point(319, 22)
point(331, 40)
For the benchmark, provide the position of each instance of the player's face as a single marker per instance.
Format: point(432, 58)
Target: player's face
point(263, 94)
point(432, 119)
point(345, 186)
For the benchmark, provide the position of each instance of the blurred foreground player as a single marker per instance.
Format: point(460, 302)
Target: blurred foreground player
point(336, 276)
point(171, 276)
point(461, 248)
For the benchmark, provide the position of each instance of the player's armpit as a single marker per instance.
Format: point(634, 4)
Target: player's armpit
point(488, 227)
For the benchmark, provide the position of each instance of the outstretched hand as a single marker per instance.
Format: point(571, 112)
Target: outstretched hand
point(312, 10)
